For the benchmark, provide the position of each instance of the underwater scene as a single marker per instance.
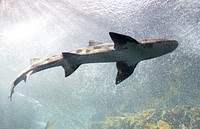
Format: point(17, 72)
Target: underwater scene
point(98, 85)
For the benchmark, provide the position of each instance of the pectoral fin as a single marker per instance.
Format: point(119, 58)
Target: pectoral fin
point(69, 69)
point(125, 69)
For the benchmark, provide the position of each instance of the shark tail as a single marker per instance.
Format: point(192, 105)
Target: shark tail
point(18, 80)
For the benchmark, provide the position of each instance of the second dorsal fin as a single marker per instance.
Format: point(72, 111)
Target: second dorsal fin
point(32, 61)
point(94, 43)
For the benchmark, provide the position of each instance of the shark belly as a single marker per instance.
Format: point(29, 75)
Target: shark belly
point(110, 56)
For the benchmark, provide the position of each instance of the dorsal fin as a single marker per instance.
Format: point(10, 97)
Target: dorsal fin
point(94, 43)
point(120, 40)
point(32, 61)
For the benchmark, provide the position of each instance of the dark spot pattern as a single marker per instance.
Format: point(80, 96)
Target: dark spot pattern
point(87, 51)
point(79, 51)
point(48, 59)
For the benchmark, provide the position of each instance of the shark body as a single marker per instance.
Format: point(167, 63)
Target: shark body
point(126, 52)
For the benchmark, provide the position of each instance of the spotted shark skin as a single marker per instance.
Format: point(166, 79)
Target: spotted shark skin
point(125, 51)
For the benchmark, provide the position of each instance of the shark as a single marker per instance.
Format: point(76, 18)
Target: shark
point(125, 51)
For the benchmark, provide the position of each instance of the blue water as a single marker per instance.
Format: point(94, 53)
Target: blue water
point(42, 28)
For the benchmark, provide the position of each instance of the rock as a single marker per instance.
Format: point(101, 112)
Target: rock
point(173, 118)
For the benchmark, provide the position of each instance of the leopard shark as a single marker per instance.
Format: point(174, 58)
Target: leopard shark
point(125, 51)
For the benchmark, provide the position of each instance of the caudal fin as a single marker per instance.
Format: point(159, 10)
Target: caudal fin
point(19, 78)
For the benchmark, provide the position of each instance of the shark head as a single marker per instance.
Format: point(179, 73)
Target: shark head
point(167, 45)
point(158, 47)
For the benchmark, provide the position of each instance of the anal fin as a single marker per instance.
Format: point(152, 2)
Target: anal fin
point(27, 76)
point(125, 69)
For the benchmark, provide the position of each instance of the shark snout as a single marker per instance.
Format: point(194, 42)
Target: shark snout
point(173, 44)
